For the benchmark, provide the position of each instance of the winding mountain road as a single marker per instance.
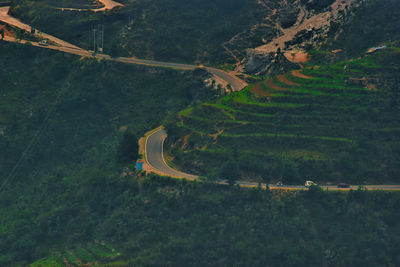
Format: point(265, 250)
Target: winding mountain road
point(108, 5)
point(155, 155)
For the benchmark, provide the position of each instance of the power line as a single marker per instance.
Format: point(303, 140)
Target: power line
point(33, 141)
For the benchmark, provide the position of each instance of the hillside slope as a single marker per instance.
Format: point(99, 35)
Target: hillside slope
point(327, 123)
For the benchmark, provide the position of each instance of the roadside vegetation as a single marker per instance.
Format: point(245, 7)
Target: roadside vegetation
point(324, 123)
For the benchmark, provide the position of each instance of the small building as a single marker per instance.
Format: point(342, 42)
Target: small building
point(139, 166)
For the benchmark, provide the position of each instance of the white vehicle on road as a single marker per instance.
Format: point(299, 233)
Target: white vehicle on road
point(43, 43)
point(309, 183)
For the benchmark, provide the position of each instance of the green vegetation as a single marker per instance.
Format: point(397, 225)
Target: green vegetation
point(77, 107)
point(330, 128)
point(128, 149)
point(69, 194)
point(96, 253)
point(158, 221)
point(83, 4)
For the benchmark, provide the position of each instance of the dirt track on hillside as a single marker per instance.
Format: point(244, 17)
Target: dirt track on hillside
point(108, 5)
point(298, 74)
point(271, 84)
point(282, 78)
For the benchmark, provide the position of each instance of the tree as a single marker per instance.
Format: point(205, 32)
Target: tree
point(289, 171)
point(230, 171)
point(128, 148)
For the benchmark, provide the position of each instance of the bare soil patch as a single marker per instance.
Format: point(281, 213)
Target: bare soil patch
point(185, 141)
point(297, 56)
point(215, 136)
point(271, 84)
point(298, 74)
point(258, 91)
point(282, 78)
point(6, 32)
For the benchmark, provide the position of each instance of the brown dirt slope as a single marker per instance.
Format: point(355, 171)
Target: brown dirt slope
point(282, 78)
point(270, 84)
point(298, 74)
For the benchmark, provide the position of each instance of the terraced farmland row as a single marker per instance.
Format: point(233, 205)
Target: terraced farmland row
point(91, 254)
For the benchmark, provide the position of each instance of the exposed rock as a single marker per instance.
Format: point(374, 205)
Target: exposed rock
point(218, 86)
point(267, 64)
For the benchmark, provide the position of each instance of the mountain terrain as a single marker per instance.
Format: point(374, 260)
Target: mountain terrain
point(322, 104)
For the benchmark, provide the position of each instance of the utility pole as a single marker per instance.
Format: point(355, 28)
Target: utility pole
point(100, 37)
point(94, 40)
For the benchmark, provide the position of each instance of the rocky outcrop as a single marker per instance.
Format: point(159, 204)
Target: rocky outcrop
point(266, 64)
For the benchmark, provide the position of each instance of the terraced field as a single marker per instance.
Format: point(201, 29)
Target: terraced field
point(92, 254)
point(320, 123)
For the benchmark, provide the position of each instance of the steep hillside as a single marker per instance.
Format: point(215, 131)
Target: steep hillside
point(61, 115)
point(371, 24)
point(177, 30)
point(326, 123)
point(69, 191)
point(245, 34)
point(159, 222)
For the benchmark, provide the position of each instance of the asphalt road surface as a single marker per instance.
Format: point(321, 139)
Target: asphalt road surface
point(108, 4)
point(155, 155)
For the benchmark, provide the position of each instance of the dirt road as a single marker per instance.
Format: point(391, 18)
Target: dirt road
point(108, 5)
point(4, 17)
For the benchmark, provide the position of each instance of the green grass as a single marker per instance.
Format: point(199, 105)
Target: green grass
point(115, 263)
point(48, 262)
point(84, 255)
point(99, 251)
point(287, 135)
point(72, 257)
point(90, 254)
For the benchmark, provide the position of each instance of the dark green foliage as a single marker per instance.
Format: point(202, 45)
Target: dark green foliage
point(91, 101)
point(230, 171)
point(288, 16)
point(158, 221)
point(84, 4)
point(128, 148)
point(69, 111)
